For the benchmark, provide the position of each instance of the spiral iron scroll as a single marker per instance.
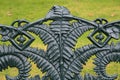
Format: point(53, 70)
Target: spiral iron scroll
point(60, 61)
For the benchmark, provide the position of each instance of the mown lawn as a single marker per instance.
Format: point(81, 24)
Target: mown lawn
point(32, 10)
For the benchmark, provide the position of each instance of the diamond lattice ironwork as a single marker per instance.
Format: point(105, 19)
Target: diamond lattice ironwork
point(99, 37)
point(21, 40)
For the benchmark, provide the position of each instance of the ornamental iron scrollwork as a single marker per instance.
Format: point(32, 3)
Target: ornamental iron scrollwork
point(60, 61)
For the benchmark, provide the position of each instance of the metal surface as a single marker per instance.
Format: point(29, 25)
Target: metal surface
point(60, 61)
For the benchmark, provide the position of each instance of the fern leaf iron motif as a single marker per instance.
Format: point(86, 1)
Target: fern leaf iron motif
point(61, 61)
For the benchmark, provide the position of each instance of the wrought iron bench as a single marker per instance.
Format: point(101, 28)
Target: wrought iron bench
point(60, 61)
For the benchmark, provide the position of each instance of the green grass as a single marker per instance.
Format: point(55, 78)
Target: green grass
point(32, 10)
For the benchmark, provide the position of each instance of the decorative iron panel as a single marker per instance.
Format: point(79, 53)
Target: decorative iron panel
point(60, 61)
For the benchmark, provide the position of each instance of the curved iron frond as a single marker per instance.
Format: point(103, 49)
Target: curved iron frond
point(81, 56)
point(38, 57)
point(104, 58)
point(9, 57)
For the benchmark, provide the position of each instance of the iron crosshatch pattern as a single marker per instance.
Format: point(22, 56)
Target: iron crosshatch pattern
point(60, 61)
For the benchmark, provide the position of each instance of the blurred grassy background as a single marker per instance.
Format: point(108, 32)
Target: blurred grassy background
point(32, 10)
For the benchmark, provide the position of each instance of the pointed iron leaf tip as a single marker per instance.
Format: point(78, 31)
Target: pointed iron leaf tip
point(58, 11)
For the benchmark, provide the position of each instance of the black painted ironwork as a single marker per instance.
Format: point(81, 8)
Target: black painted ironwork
point(60, 61)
